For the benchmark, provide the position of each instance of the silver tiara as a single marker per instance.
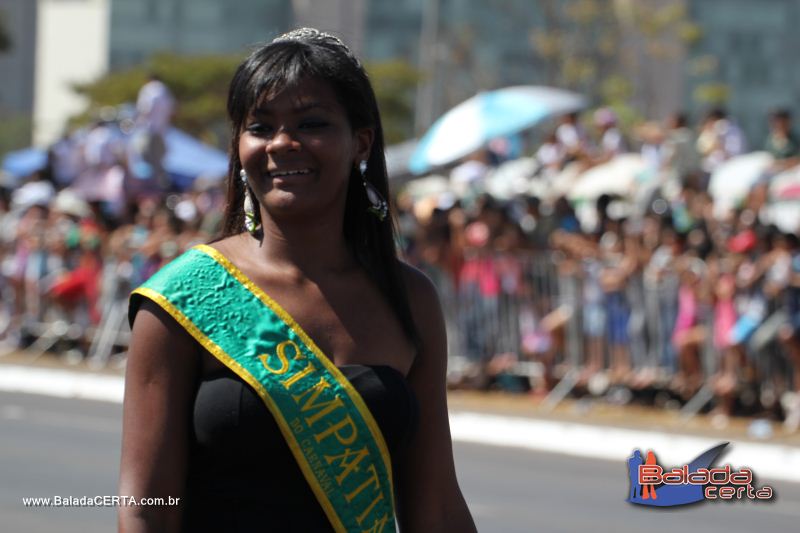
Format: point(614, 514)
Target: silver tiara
point(313, 35)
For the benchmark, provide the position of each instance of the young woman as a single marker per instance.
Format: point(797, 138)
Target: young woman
point(290, 376)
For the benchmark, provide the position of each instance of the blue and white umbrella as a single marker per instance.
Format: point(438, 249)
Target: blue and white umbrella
point(23, 163)
point(186, 159)
point(486, 116)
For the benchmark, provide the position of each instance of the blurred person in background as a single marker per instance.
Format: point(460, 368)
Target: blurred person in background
point(572, 137)
point(508, 264)
point(619, 266)
point(680, 154)
point(661, 279)
point(643, 371)
point(751, 311)
point(155, 107)
point(562, 324)
point(19, 267)
point(551, 155)
point(789, 334)
point(160, 245)
point(653, 146)
point(594, 312)
point(67, 158)
point(782, 142)
point(565, 217)
point(79, 287)
point(729, 360)
point(102, 177)
point(720, 139)
point(479, 290)
point(779, 277)
point(610, 140)
point(690, 331)
point(468, 177)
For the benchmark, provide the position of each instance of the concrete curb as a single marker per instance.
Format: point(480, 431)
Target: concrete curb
point(773, 461)
point(61, 383)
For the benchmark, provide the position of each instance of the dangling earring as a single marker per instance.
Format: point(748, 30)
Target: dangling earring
point(377, 205)
point(249, 210)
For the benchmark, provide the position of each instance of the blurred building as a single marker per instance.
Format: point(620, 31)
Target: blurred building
point(344, 18)
point(461, 46)
point(466, 46)
point(17, 63)
point(140, 28)
point(471, 46)
point(55, 43)
point(753, 42)
point(71, 47)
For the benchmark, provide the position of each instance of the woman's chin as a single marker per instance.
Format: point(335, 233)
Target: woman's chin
point(288, 205)
point(285, 203)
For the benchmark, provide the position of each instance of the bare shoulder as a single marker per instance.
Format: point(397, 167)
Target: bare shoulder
point(422, 293)
point(431, 359)
point(152, 320)
point(158, 341)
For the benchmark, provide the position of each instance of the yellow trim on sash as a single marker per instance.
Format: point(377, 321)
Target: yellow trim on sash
point(294, 326)
point(231, 363)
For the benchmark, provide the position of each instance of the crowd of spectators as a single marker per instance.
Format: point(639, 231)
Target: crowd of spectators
point(99, 217)
point(671, 296)
point(668, 295)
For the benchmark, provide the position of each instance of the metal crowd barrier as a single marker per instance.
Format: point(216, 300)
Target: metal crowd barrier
point(502, 318)
point(39, 326)
point(495, 311)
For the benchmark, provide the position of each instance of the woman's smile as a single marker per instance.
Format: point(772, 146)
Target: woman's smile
point(290, 177)
point(288, 173)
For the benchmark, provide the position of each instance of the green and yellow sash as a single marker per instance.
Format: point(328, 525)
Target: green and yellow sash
point(331, 433)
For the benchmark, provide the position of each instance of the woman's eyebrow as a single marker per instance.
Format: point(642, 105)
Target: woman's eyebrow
point(306, 106)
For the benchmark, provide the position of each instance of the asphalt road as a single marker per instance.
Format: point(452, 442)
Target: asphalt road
point(51, 446)
point(55, 447)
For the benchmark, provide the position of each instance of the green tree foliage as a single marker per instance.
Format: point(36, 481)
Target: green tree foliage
point(712, 94)
point(199, 84)
point(578, 43)
point(15, 132)
point(593, 46)
point(394, 83)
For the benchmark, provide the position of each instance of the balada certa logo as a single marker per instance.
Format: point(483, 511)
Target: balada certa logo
point(653, 485)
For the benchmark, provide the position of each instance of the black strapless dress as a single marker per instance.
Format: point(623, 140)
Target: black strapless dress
point(242, 476)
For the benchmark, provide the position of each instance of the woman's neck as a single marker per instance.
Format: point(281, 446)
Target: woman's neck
point(306, 248)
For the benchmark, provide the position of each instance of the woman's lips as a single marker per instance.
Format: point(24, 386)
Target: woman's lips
point(288, 173)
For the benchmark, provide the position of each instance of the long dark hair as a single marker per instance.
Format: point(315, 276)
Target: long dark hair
point(282, 64)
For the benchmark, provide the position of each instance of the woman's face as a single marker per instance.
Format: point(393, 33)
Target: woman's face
point(298, 149)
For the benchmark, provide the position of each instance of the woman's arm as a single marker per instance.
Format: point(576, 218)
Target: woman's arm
point(159, 383)
point(428, 497)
